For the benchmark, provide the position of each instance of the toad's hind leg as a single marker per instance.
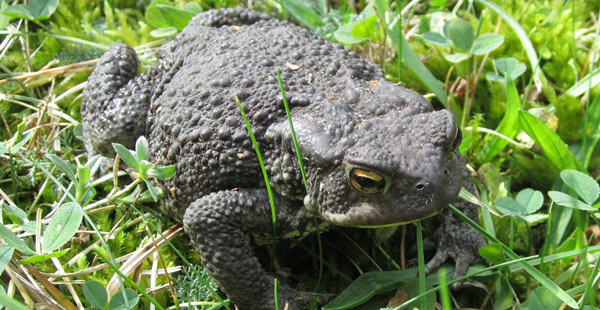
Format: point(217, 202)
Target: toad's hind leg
point(115, 101)
point(217, 225)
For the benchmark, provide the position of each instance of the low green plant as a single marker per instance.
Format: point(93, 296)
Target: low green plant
point(95, 293)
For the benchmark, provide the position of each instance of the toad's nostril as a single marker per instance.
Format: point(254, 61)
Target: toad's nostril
point(420, 186)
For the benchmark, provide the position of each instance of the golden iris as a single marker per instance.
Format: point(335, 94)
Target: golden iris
point(366, 181)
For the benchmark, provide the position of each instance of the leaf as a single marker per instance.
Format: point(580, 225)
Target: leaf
point(344, 34)
point(534, 219)
point(543, 299)
point(20, 140)
point(62, 226)
point(530, 199)
point(95, 293)
point(12, 239)
point(19, 11)
point(486, 43)
point(192, 7)
point(16, 214)
point(461, 33)
point(4, 20)
point(177, 18)
point(552, 145)
point(62, 166)
point(6, 252)
point(153, 191)
point(510, 67)
point(154, 16)
point(142, 149)
point(365, 28)
point(569, 201)
point(492, 252)
point(126, 156)
point(36, 10)
point(456, 57)
point(302, 11)
point(435, 38)
point(42, 9)
point(165, 172)
point(44, 257)
point(118, 303)
point(163, 32)
point(368, 285)
point(509, 206)
point(584, 185)
point(508, 125)
point(83, 174)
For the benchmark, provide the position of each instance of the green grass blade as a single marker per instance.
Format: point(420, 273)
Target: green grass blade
point(552, 145)
point(538, 275)
point(411, 59)
point(587, 82)
point(421, 259)
point(262, 165)
point(13, 240)
point(294, 139)
point(6, 252)
point(509, 124)
point(304, 13)
point(590, 140)
point(11, 303)
point(522, 35)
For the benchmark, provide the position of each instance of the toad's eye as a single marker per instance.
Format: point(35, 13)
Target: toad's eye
point(367, 181)
point(457, 138)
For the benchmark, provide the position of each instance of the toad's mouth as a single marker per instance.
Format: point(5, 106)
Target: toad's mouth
point(369, 215)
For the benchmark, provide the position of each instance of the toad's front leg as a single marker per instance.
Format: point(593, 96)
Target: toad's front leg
point(217, 225)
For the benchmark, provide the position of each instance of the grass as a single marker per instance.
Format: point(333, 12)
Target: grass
point(530, 138)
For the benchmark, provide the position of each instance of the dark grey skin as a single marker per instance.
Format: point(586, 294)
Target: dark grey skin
point(375, 154)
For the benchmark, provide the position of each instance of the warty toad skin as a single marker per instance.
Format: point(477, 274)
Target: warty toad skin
point(375, 153)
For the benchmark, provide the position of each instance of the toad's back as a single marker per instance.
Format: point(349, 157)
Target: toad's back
point(194, 122)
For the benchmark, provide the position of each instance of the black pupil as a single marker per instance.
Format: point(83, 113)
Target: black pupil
point(365, 182)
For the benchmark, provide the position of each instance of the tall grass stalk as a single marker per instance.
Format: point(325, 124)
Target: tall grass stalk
point(262, 167)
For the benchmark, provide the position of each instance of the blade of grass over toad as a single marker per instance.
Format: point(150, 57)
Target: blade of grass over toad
point(522, 35)
point(111, 259)
point(262, 165)
point(538, 275)
point(289, 117)
point(302, 171)
point(411, 59)
point(509, 124)
point(552, 145)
